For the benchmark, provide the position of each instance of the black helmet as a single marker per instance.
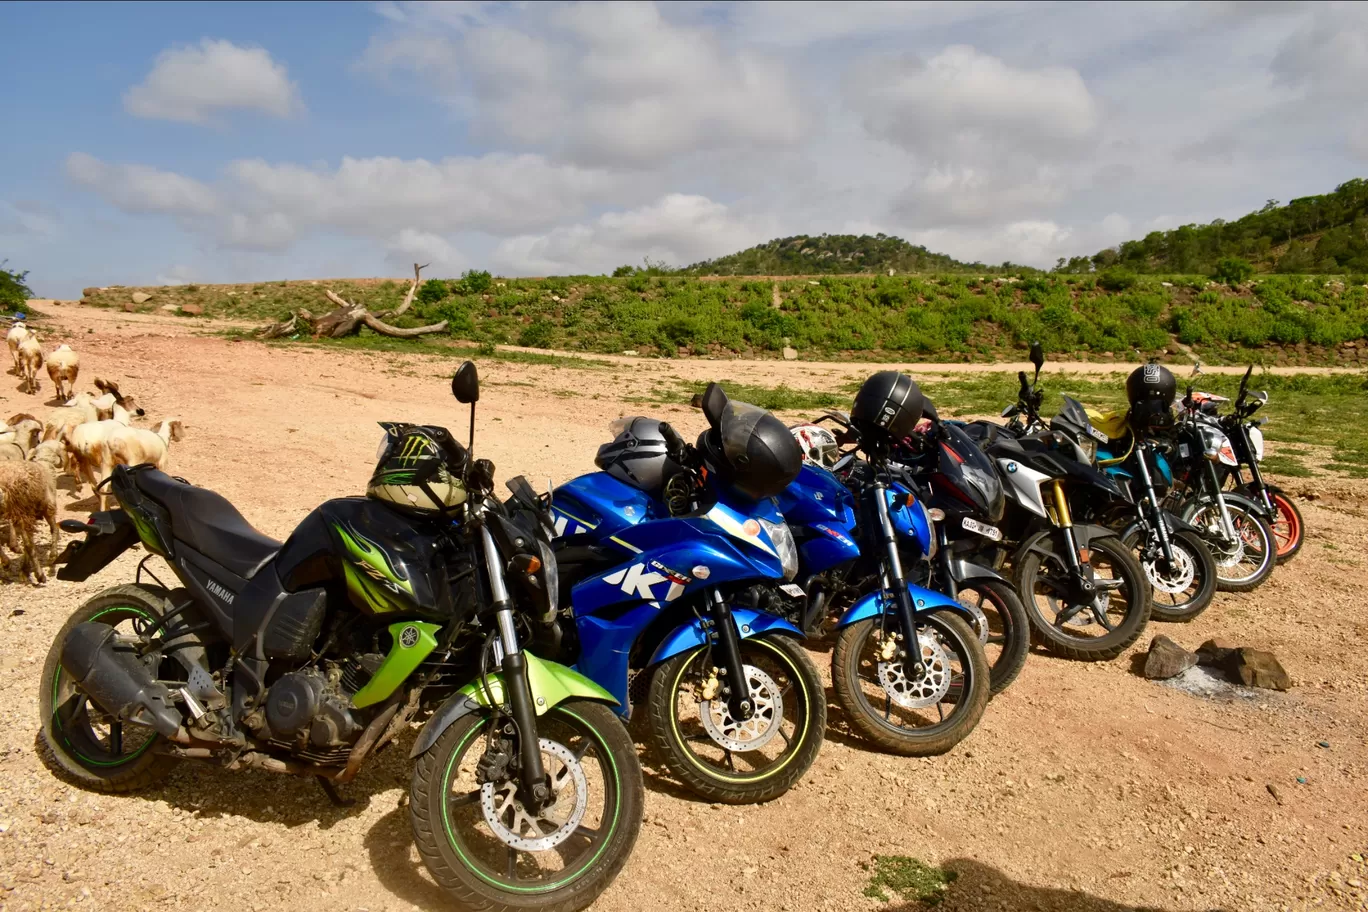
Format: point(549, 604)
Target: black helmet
point(747, 447)
point(1150, 390)
point(888, 402)
point(419, 469)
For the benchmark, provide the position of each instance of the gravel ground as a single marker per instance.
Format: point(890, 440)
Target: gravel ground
point(1084, 788)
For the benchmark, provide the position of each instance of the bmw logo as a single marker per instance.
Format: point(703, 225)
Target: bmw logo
point(408, 637)
point(1011, 468)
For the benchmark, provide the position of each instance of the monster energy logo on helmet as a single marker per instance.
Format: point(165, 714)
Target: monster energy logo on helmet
point(419, 468)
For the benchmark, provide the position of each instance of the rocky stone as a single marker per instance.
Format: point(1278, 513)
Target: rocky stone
point(129, 307)
point(170, 308)
point(141, 297)
point(194, 310)
point(790, 354)
point(1257, 668)
point(1166, 659)
point(89, 292)
point(1215, 651)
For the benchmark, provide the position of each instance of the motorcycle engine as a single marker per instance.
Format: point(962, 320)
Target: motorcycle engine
point(309, 713)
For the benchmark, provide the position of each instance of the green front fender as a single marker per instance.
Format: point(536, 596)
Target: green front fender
point(551, 684)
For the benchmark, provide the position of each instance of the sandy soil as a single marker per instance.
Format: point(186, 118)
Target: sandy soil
point(1084, 788)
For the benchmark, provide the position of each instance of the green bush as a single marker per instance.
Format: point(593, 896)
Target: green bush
point(623, 271)
point(540, 333)
point(13, 290)
point(431, 291)
point(1232, 271)
point(1116, 279)
point(473, 281)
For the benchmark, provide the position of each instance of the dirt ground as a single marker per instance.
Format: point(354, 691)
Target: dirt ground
point(1084, 788)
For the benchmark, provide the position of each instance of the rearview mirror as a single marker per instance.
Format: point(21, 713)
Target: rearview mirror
point(1037, 356)
point(465, 386)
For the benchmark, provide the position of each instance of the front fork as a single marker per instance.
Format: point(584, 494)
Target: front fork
point(1256, 480)
point(720, 627)
point(533, 788)
point(1165, 543)
point(1227, 524)
point(895, 579)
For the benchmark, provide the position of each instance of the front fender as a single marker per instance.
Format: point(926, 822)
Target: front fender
point(963, 571)
point(874, 604)
point(551, 684)
point(1083, 533)
point(749, 623)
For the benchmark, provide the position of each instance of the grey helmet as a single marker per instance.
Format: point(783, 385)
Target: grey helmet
point(636, 454)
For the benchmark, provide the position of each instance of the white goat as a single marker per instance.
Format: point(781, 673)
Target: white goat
point(17, 440)
point(62, 366)
point(28, 493)
point(79, 409)
point(89, 455)
point(18, 333)
point(30, 360)
point(135, 446)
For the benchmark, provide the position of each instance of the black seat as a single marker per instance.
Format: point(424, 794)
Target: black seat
point(208, 523)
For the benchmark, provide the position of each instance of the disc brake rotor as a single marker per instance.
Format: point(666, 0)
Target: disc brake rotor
point(746, 734)
point(927, 689)
point(515, 826)
point(1179, 575)
point(1227, 553)
point(980, 621)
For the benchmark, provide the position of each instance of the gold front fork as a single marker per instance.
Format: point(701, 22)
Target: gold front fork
point(1061, 504)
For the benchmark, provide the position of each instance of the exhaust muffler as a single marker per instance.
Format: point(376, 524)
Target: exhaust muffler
point(117, 682)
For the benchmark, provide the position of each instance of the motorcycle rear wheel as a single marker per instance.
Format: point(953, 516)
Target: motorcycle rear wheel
point(1007, 637)
point(954, 675)
point(85, 743)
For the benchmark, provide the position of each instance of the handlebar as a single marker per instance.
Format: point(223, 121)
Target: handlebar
point(674, 444)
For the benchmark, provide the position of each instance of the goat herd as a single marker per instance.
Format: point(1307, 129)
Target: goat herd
point(85, 438)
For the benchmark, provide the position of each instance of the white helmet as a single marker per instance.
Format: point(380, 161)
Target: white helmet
point(819, 445)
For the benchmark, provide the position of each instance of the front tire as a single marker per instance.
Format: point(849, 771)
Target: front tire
point(1044, 582)
point(712, 754)
point(1246, 564)
point(1180, 594)
point(465, 830)
point(912, 717)
point(87, 745)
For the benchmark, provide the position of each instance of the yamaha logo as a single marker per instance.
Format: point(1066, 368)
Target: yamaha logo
point(408, 637)
point(223, 594)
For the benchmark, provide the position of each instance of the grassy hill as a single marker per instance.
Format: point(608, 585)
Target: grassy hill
point(953, 317)
point(828, 254)
point(1325, 234)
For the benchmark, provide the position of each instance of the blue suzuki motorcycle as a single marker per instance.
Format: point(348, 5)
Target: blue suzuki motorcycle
point(852, 543)
point(682, 608)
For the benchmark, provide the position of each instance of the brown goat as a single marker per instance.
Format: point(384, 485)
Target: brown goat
point(28, 493)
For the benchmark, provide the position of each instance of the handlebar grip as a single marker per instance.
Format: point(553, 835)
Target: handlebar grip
point(674, 444)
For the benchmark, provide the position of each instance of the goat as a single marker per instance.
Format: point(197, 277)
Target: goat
point(110, 388)
point(62, 366)
point(30, 360)
point(20, 438)
point(28, 493)
point(18, 333)
point(50, 453)
point(135, 446)
point(79, 409)
point(88, 452)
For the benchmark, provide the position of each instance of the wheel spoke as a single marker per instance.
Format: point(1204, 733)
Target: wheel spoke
point(587, 833)
point(116, 738)
point(462, 800)
point(512, 867)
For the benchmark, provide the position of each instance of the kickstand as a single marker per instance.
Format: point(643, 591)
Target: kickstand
point(331, 791)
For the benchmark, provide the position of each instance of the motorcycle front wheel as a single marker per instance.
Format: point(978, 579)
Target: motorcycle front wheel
point(730, 760)
point(1103, 627)
point(913, 714)
point(488, 850)
point(1002, 627)
point(1244, 564)
point(1183, 590)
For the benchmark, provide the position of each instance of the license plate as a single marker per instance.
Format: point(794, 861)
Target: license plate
point(1097, 435)
point(987, 531)
point(793, 590)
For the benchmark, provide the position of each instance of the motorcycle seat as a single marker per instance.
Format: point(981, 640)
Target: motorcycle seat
point(207, 522)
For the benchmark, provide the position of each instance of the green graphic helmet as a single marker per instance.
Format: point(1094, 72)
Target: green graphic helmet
point(419, 469)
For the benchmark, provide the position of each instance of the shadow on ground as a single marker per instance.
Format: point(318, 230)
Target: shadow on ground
point(978, 886)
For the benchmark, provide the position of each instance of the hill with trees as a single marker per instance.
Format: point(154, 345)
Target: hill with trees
point(836, 254)
point(1325, 234)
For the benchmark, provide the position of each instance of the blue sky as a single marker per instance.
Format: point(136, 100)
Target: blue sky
point(165, 143)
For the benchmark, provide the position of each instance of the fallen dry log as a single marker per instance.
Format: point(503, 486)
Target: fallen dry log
point(347, 318)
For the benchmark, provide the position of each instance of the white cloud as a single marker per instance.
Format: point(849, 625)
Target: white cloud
point(1028, 242)
point(30, 219)
point(139, 188)
point(192, 84)
point(963, 97)
point(600, 83)
point(410, 246)
point(179, 274)
point(678, 229)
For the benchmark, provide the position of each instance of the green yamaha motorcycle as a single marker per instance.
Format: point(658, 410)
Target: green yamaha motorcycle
point(308, 656)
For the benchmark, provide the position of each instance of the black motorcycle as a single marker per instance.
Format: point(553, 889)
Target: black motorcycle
point(1246, 441)
point(1085, 594)
point(308, 656)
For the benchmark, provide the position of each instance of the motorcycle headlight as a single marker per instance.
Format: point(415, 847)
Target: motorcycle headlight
point(1256, 441)
point(782, 538)
point(1089, 448)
